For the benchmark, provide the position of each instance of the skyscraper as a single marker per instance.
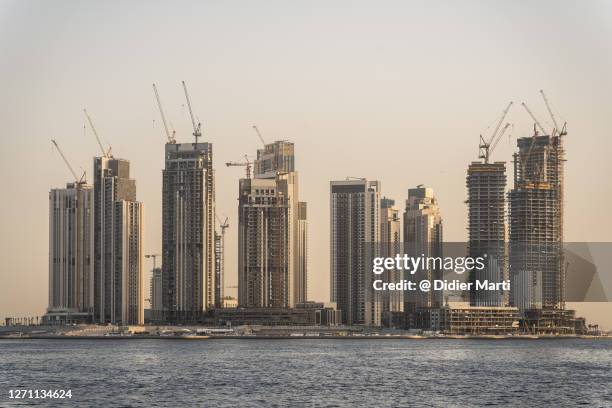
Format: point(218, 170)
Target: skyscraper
point(536, 224)
point(390, 246)
point(272, 232)
point(118, 244)
point(264, 243)
point(354, 238)
point(301, 270)
point(486, 185)
point(188, 216)
point(155, 294)
point(71, 243)
point(422, 237)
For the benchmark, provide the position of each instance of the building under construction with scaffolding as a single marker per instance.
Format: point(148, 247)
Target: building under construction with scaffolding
point(536, 223)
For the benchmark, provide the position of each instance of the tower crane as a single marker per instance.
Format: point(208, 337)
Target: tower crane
point(245, 163)
point(485, 148)
point(259, 135)
point(93, 128)
point(171, 138)
point(76, 179)
point(538, 124)
point(197, 129)
point(222, 224)
point(154, 257)
point(562, 131)
point(106, 153)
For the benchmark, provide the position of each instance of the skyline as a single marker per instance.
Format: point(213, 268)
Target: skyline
point(346, 125)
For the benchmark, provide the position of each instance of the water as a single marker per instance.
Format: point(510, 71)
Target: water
point(341, 373)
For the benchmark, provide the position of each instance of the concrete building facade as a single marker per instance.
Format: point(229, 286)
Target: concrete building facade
point(155, 294)
point(354, 238)
point(272, 232)
point(390, 246)
point(422, 237)
point(486, 186)
point(537, 269)
point(188, 221)
point(71, 248)
point(118, 244)
point(264, 244)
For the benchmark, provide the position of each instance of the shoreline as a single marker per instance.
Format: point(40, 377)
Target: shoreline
point(289, 337)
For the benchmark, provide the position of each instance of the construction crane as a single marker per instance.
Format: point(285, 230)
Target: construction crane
point(562, 131)
point(538, 124)
point(95, 132)
point(197, 129)
point(484, 148)
point(223, 225)
point(154, 257)
point(496, 141)
point(245, 163)
point(76, 179)
point(171, 138)
point(259, 135)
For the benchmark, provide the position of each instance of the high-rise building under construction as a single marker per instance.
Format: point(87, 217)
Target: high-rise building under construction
point(188, 242)
point(537, 269)
point(272, 257)
point(486, 187)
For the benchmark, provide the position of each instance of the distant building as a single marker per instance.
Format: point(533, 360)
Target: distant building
point(155, 295)
point(486, 186)
point(422, 237)
point(219, 268)
point(229, 302)
point(301, 268)
point(355, 233)
point(118, 250)
point(71, 245)
point(461, 318)
point(188, 242)
point(390, 246)
point(272, 254)
point(308, 314)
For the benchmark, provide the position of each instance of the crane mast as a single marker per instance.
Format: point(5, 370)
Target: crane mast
point(171, 138)
point(196, 128)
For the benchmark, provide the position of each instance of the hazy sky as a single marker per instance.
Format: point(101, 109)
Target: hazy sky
point(394, 91)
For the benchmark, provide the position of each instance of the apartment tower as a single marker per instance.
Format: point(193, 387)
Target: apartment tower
point(71, 248)
point(118, 244)
point(390, 246)
point(354, 238)
point(422, 237)
point(188, 242)
point(272, 228)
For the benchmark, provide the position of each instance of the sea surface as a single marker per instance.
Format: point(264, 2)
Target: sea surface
point(311, 373)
